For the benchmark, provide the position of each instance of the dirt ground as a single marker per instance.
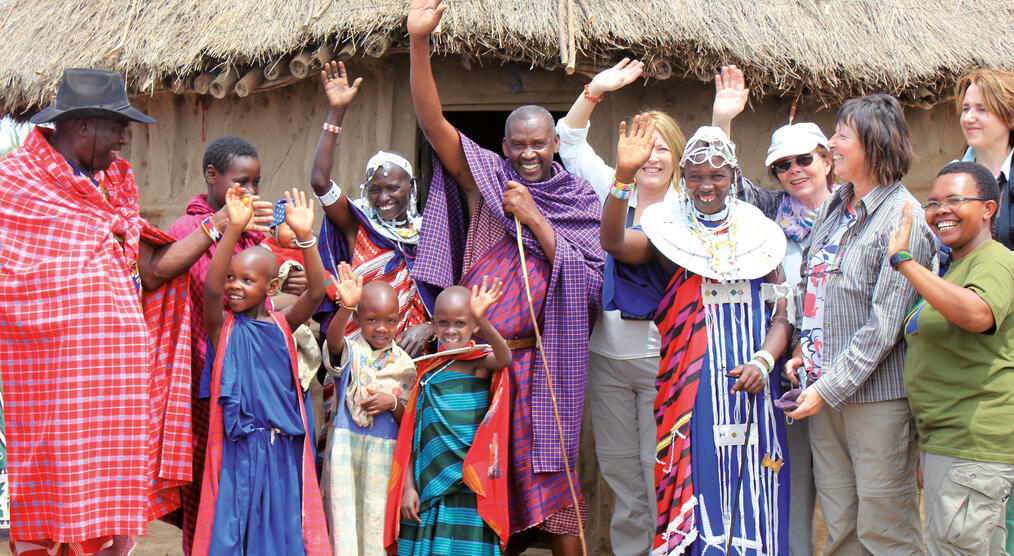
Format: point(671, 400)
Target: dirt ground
point(164, 540)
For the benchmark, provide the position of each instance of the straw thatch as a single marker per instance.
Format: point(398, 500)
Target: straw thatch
point(825, 49)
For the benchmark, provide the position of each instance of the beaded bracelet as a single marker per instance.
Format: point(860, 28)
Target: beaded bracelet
point(588, 95)
point(307, 244)
point(622, 191)
point(332, 128)
point(766, 358)
point(331, 197)
point(208, 225)
point(900, 257)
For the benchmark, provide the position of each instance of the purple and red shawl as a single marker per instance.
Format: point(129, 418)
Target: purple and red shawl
point(572, 300)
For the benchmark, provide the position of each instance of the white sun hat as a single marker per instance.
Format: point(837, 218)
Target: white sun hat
point(794, 140)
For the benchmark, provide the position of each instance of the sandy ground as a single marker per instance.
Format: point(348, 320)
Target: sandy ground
point(164, 540)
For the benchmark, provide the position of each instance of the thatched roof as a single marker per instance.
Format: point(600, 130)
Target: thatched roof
point(825, 49)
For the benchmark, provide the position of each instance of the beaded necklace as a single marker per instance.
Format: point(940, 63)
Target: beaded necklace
point(718, 240)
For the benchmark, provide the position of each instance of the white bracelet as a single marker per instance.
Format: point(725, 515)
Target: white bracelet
point(331, 197)
point(759, 365)
point(307, 244)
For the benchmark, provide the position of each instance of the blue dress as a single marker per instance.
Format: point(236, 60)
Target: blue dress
point(736, 324)
point(259, 510)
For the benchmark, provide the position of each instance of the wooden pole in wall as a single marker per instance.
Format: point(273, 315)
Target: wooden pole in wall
point(203, 82)
point(299, 66)
point(276, 69)
point(249, 82)
point(224, 83)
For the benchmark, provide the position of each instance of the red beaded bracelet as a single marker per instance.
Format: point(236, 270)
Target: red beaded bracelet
point(588, 95)
point(332, 128)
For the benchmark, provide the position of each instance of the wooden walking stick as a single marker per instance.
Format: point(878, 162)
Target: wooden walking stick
point(742, 467)
point(549, 382)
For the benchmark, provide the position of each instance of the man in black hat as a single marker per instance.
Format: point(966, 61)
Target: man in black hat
point(94, 324)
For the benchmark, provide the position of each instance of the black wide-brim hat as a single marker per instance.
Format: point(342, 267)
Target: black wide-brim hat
point(91, 93)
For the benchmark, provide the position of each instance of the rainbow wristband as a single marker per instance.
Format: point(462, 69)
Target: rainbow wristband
point(622, 191)
point(900, 257)
point(209, 228)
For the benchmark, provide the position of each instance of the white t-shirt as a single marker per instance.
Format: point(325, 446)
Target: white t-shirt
point(613, 337)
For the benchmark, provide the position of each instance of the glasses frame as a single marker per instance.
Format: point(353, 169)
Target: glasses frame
point(783, 166)
point(949, 202)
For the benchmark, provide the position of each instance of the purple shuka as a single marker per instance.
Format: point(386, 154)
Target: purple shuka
point(573, 296)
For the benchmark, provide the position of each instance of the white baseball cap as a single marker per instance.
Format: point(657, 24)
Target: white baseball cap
point(794, 140)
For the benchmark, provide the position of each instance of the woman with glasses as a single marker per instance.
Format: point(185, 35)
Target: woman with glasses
point(985, 100)
point(959, 368)
point(864, 454)
point(721, 473)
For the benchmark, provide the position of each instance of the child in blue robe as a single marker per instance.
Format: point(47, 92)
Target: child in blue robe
point(259, 492)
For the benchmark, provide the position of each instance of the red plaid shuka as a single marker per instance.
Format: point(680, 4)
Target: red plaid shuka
point(96, 383)
point(485, 467)
point(315, 538)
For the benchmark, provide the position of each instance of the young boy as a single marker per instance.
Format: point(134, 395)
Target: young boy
point(453, 439)
point(372, 380)
point(259, 493)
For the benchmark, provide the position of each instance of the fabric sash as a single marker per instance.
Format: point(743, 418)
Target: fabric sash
point(680, 319)
point(315, 537)
point(485, 466)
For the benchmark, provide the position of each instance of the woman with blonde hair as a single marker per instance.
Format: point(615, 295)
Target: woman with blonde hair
point(985, 101)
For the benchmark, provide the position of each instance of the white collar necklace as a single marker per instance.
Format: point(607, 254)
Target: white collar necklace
point(745, 246)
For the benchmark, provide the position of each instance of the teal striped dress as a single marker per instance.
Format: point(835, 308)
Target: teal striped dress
point(449, 409)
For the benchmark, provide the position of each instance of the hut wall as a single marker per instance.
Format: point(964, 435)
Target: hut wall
point(284, 125)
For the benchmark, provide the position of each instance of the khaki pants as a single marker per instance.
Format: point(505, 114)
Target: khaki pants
point(621, 393)
point(864, 465)
point(965, 505)
point(801, 491)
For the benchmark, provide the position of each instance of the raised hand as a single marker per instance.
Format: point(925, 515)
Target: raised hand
point(264, 212)
point(899, 235)
point(350, 286)
point(731, 95)
point(238, 205)
point(616, 77)
point(299, 214)
point(336, 85)
point(634, 148)
point(485, 295)
point(424, 16)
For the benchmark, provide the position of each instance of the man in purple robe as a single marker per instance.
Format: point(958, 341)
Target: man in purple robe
point(469, 232)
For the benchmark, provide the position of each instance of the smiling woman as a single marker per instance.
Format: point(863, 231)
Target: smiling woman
point(959, 367)
point(985, 102)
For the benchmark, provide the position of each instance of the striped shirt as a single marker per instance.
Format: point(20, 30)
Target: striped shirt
point(866, 300)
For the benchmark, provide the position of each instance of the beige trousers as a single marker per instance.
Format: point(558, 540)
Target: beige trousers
point(965, 505)
point(864, 465)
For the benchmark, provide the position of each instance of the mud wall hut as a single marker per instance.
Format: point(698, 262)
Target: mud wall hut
point(250, 67)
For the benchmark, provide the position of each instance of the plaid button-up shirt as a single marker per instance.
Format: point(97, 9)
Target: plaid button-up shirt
point(863, 357)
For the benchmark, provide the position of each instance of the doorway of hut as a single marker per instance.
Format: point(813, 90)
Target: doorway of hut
point(485, 127)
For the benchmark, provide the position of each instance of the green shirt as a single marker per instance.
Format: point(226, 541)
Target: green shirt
point(961, 384)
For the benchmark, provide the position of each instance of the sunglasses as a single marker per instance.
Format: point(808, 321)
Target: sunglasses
point(802, 160)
